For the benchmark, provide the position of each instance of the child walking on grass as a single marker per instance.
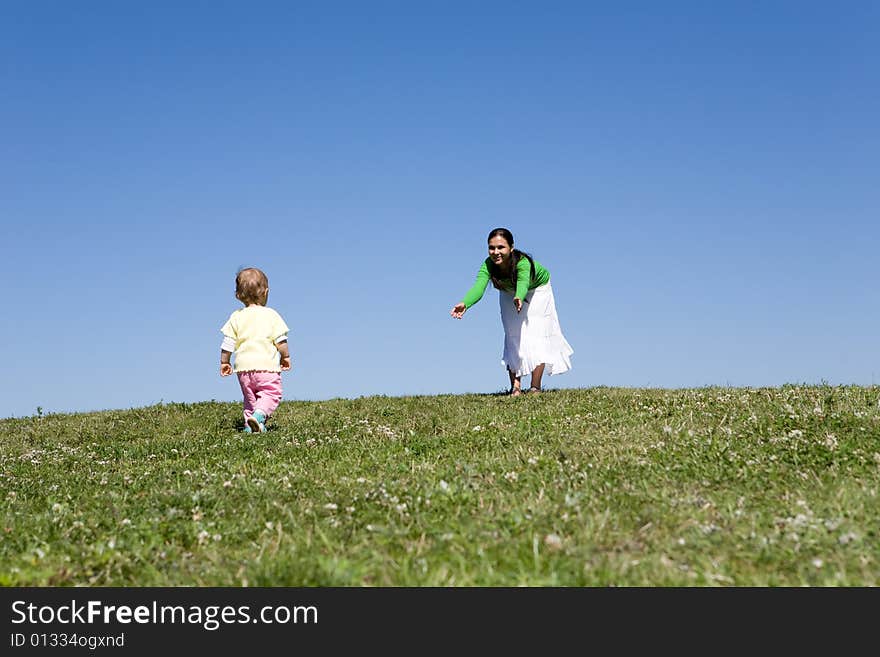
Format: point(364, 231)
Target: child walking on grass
point(257, 335)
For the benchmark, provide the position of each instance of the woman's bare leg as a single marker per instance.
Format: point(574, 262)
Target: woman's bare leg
point(515, 383)
point(537, 373)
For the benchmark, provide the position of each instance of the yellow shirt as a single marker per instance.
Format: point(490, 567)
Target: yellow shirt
point(255, 330)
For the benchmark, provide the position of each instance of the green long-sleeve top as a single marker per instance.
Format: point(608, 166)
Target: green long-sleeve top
point(524, 281)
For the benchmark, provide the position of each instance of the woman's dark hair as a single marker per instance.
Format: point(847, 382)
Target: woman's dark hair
point(500, 276)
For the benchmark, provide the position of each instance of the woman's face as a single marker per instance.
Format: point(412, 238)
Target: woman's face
point(499, 251)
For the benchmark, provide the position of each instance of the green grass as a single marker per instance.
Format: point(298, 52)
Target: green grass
point(588, 487)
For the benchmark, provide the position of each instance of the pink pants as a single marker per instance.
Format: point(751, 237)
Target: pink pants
point(261, 390)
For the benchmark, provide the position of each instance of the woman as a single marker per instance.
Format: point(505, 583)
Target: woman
point(533, 340)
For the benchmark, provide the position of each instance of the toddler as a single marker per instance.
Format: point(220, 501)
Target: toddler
point(257, 335)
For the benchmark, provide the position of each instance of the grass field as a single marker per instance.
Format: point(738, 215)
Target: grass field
point(584, 487)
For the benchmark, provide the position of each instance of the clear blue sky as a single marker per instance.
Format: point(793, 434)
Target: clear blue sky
point(701, 179)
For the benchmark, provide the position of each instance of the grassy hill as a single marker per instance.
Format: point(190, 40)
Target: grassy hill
point(589, 487)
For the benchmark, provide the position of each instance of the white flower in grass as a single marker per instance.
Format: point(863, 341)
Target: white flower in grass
point(553, 541)
point(217, 537)
point(56, 508)
point(533, 460)
point(800, 520)
point(227, 484)
point(388, 432)
point(330, 506)
point(847, 538)
point(126, 521)
point(444, 486)
point(511, 476)
point(818, 563)
point(203, 537)
point(477, 428)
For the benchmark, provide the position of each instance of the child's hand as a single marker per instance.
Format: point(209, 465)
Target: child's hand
point(225, 369)
point(285, 363)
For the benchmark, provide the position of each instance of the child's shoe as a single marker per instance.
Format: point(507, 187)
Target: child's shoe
point(257, 422)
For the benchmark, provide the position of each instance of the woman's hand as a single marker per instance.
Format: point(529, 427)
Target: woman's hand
point(458, 310)
point(518, 303)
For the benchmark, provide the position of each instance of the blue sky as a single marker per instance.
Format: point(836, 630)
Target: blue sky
point(701, 180)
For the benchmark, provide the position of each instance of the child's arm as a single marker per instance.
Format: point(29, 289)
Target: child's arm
point(226, 349)
point(225, 367)
point(285, 355)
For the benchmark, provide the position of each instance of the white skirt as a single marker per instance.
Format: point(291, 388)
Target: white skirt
point(533, 336)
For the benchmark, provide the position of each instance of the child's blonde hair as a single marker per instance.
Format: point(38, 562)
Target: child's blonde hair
point(252, 286)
